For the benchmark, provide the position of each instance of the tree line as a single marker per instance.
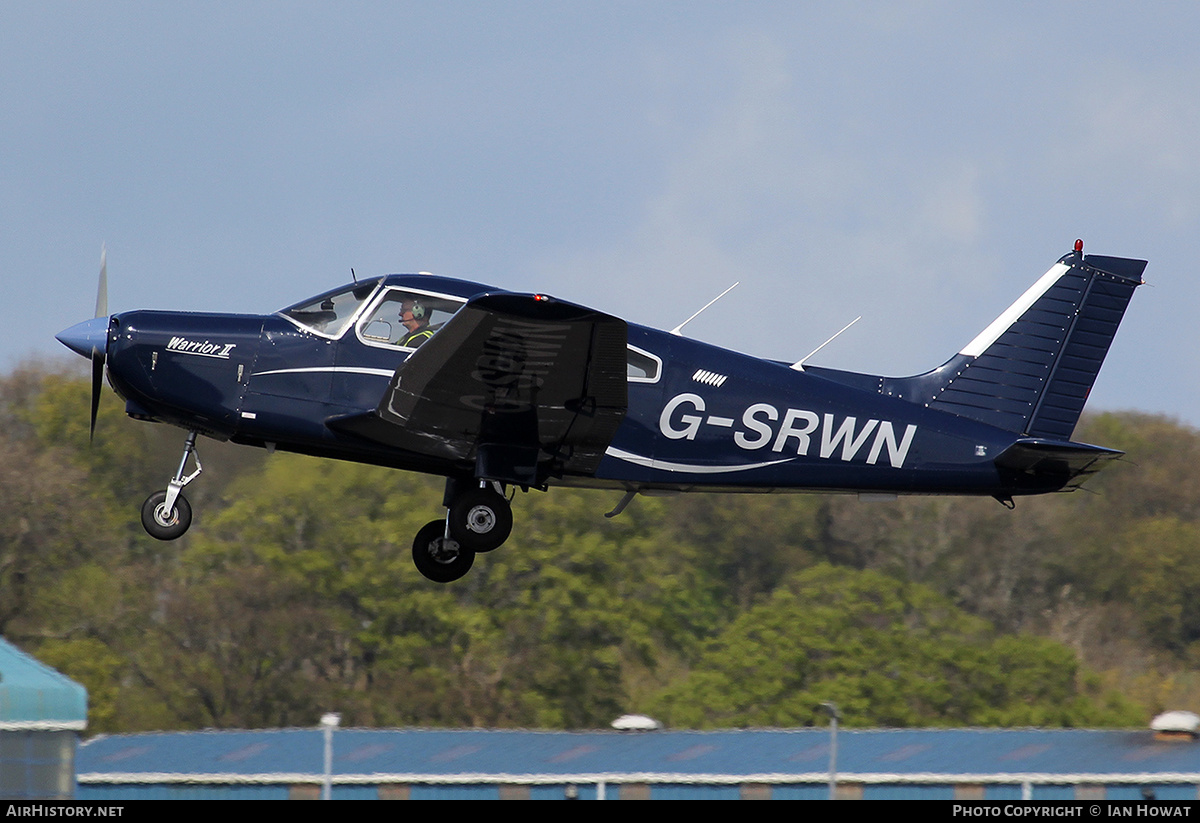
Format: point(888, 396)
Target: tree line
point(294, 593)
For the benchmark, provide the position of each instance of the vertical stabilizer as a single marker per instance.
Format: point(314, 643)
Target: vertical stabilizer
point(1030, 371)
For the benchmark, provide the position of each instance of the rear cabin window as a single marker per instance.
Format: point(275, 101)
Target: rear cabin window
point(641, 366)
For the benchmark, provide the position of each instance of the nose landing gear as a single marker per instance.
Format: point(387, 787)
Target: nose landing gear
point(166, 515)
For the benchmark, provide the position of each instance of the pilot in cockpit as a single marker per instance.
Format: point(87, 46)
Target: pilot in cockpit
point(414, 316)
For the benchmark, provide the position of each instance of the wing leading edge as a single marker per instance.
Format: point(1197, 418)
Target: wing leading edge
point(523, 387)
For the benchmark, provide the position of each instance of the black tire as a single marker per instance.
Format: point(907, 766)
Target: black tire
point(439, 559)
point(161, 524)
point(480, 519)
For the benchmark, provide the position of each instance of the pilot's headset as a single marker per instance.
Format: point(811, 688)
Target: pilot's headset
point(416, 308)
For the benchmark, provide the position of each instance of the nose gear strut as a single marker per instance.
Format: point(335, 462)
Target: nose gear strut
point(166, 515)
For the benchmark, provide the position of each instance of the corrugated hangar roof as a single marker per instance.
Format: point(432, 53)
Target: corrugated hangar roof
point(426, 755)
point(35, 696)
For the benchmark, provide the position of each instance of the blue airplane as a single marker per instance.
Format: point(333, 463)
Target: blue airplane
point(498, 391)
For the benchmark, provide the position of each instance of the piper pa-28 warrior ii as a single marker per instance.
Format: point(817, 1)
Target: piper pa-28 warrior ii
point(496, 391)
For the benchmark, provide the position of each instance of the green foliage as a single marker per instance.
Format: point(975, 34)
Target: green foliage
point(91, 663)
point(887, 653)
point(295, 594)
point(750, 541)
point(1162, 557)
point(537, 635)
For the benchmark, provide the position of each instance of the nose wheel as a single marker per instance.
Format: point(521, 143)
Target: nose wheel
point(163, 521)
point(166, 515)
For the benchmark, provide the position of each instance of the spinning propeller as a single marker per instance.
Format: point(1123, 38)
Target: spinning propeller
point(90, 338)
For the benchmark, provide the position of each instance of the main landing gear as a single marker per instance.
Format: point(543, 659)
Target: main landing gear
point(478, 519)
point(167, 515)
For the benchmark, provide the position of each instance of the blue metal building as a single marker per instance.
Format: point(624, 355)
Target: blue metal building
point(41, 715)
point(750, 764)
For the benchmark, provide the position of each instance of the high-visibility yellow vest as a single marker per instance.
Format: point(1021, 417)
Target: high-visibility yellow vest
point(417, 338)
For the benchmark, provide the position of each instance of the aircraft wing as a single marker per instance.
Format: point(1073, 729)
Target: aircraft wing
point(524, 386)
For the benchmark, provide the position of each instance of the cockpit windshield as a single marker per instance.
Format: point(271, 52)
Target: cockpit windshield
point(330, 313)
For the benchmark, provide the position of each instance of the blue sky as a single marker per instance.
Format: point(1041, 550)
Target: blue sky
point(919, 164)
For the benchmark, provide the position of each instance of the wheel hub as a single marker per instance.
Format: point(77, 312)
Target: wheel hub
point(166, 517)
point(481, 519)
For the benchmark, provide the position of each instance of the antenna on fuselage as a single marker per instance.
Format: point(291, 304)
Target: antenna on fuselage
point(679, 329)
point(799, 364)
point(353, 276)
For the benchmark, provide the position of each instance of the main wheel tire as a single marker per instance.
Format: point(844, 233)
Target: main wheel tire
point(162, 524)
point(439, 559)
point(480, 519)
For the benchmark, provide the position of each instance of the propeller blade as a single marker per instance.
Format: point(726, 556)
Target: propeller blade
point(97, 385)
point(99, 351)
point(102, 287)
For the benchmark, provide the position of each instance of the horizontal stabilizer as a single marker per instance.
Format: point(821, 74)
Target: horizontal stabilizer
point(1041, 459)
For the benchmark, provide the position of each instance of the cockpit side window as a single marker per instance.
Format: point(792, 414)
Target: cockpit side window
point(330, 313)
point(405, 318)
point(641, 366)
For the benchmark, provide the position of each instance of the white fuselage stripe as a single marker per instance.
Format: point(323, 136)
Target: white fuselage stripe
point(664, 465)
point(331, 369)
